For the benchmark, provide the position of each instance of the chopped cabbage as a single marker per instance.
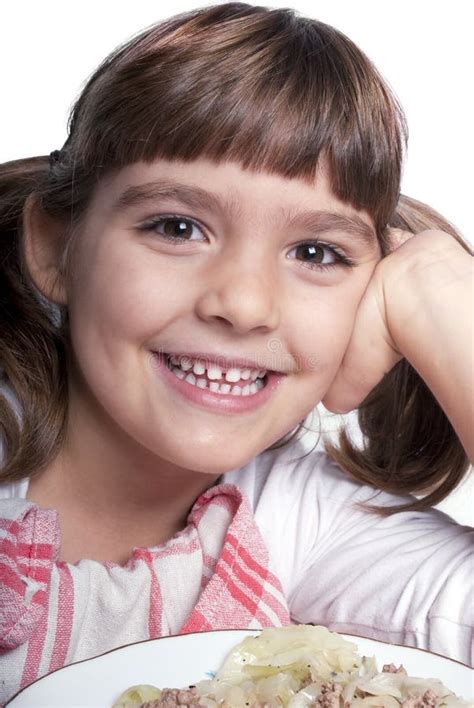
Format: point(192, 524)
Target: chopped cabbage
point(136, 695)
point(301, 650)
point(302, 666)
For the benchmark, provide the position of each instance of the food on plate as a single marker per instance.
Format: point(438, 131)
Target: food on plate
point(300, 666)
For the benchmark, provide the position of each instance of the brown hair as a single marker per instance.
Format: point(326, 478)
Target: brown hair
point(274, 91)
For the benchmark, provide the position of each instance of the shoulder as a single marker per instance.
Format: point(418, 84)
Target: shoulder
point(29, 547)
point(23, 523)
point(295, 475)
point(308, 510)
point(14, 490)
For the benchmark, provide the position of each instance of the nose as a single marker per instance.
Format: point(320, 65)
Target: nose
point(242, 292)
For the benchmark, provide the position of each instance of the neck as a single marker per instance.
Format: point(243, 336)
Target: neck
point(112, 494)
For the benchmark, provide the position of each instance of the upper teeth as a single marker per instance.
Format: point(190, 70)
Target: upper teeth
point(215, 372)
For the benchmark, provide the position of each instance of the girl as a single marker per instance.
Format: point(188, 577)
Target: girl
point(220, 245)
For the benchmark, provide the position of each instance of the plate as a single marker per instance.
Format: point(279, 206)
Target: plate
point(178, 661)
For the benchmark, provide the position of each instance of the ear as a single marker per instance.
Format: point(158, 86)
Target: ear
point(43, 244)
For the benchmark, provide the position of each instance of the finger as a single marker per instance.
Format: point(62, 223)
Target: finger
point(371, 354)
point(397, 237)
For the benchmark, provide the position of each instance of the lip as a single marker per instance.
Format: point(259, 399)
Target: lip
point(225, 362)
point(219, 402)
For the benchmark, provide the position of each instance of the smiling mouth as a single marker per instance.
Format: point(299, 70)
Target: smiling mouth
point(217, 384)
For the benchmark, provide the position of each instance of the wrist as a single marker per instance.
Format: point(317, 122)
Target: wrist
point(428, 301)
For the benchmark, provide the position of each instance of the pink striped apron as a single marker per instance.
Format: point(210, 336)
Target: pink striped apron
point(214, 574)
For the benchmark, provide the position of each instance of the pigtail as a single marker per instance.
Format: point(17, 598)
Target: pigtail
point(409, 443)
point(33, 400)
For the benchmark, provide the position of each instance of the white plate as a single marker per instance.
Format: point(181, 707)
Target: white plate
point(175, 662)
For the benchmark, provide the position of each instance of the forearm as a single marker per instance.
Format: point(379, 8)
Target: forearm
point(433, 329)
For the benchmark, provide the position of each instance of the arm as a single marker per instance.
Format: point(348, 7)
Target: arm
point(418, 305)
point(434, 330)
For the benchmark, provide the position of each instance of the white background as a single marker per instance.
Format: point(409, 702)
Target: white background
point(49, 48)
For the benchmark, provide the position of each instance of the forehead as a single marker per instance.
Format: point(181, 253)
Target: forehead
point(233, 192)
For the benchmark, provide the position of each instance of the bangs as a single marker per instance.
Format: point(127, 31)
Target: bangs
point(266, 88)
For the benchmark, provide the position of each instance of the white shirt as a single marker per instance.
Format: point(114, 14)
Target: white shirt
point(406, 578)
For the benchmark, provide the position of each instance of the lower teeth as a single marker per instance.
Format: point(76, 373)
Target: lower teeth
point(214, 386)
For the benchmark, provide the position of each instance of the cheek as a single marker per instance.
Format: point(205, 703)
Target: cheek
point(125, 295)
point(118, 306)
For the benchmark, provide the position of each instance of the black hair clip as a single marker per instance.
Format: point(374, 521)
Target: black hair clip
point(54, 157)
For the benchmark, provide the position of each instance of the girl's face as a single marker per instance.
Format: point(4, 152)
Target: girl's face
point(246, 280)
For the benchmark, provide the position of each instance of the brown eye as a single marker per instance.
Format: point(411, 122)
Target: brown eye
point(174, 228)
point(177, 228)
point(311, 251)
point(320, 256)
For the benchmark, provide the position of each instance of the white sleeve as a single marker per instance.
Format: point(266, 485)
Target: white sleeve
point(406, 579)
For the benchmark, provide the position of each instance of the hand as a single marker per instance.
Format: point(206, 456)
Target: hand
point(422, 274)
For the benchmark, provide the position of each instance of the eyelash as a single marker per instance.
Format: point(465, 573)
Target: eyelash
point(341, 258)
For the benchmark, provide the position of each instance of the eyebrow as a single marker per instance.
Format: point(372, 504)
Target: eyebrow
point(194, 197)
